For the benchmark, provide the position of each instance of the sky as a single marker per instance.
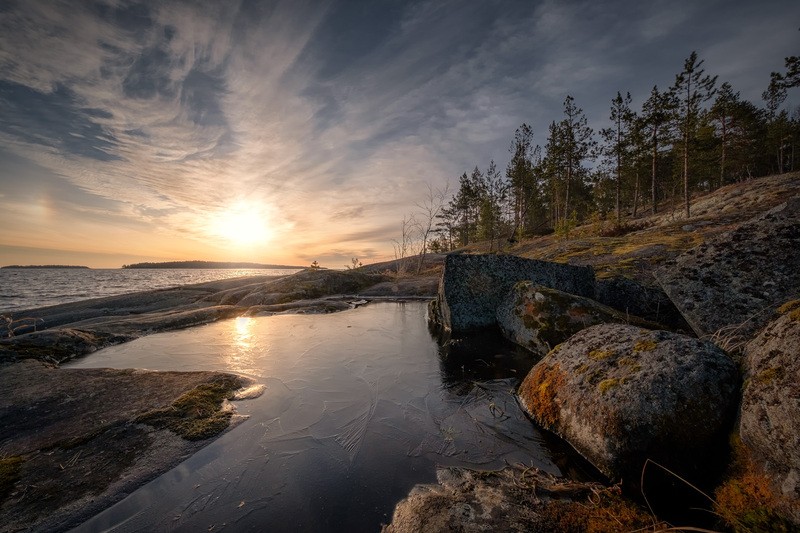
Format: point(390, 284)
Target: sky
point(298, 131)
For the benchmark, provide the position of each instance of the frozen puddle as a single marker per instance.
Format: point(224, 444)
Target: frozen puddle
point(359, 406)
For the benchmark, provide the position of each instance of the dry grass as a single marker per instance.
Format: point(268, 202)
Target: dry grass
point(747, 501)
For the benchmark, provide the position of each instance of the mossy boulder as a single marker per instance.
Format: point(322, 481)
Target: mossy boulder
point(770, 414)
point(538, 317)
point(621, 394)
point(473, 286)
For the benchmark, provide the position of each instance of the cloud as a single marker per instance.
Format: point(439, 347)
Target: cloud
point(331, 115)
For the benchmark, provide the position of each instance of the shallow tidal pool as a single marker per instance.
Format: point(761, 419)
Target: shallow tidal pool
point(359, 407)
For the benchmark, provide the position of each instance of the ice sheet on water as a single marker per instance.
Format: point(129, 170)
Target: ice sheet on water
point(358, 407)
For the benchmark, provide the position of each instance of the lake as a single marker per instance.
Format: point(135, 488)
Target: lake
point(28, 288)
point(359, 407)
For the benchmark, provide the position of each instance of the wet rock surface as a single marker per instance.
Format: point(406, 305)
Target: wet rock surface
point(473, 286)
point(79, 441)
point(770, 413)
point(732, 281)
point(539, 318)
point(621, 394)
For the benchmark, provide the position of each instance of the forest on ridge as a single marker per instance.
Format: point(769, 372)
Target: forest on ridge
point(694, 136)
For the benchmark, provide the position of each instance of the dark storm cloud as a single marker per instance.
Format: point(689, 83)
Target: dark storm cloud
point(56, 120)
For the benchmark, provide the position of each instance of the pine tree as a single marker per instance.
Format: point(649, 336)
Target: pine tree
point(692, 88)
point(519, 173)
point(617, 142)
point(774, 97)
point(492, 196)
point(657, 112)
point(576, 144)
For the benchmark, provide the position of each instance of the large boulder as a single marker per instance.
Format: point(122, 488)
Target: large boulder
point(727, 283)
point(472, 286)
point(770, 414)
point(538, 317)
point(621, 394)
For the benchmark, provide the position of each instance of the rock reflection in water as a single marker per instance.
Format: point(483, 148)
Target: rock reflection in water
point(359, 406)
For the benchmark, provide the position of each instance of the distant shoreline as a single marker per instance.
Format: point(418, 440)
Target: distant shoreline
point(45, 266)
point(211, 265)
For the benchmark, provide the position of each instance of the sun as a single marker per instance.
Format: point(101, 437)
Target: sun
point(243, 224)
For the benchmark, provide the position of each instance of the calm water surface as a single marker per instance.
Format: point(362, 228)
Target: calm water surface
point(359, 406)
point(27, 288)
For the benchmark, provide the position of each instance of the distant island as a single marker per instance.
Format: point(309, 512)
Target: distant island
point(208, 264)
point(45, 266)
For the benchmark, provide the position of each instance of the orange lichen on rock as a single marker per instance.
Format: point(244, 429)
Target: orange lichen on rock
point(540, 390)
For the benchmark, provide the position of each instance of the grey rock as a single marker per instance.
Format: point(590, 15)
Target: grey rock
point(649, 302)
point(719, 284)
point(472, 286)
point(464, 500)
point(539, 317)
point(770, 414)
point(620, 394)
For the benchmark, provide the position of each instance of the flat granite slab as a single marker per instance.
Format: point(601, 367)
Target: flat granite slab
point(731, 283)
point(75, 441)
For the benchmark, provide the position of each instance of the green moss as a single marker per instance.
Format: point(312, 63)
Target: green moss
point(791, 305)
point(608, 384)
point(197, 414)
point(9, 475)
point(600, 355)
point(644, 345)
point(630, 363)
point(582, 369)
point(792, 308)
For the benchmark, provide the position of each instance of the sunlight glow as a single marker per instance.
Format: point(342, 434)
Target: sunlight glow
point(240, 358)
point(242, 224)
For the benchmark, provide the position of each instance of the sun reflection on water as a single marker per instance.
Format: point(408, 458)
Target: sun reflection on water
point(241, 356)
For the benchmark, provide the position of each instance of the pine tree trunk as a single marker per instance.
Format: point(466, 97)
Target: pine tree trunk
point(636, 194)
point(654, 169)
point(722, 157)
point(619, 173)
point(686, 148)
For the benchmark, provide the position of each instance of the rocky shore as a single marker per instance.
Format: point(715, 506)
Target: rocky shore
point(668, 357)
point(75, 441)
point(705, 400)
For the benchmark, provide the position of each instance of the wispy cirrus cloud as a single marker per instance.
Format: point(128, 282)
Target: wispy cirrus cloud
point(149, 119)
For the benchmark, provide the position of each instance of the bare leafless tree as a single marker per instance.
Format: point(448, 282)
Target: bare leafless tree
point(429, 210)
point(406, 247)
